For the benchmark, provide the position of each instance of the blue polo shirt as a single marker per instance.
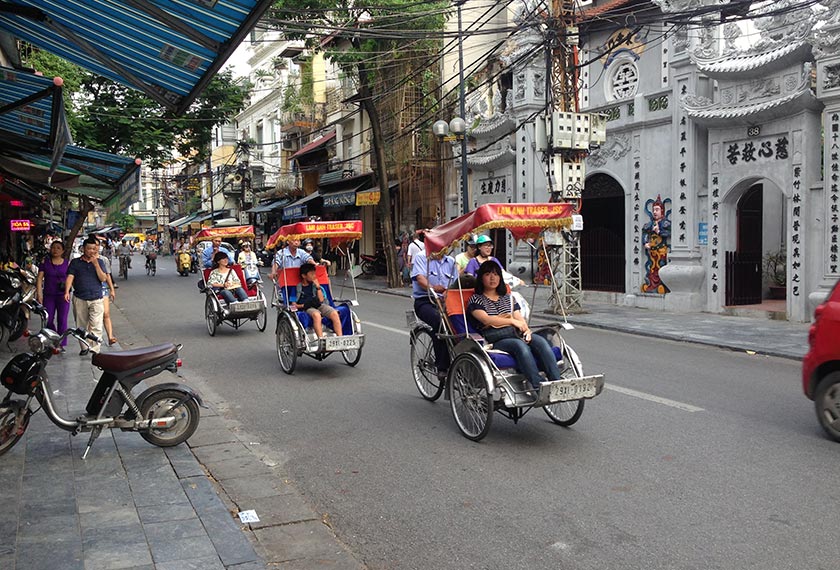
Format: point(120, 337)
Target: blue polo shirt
point(86, 284)
point(443, 271)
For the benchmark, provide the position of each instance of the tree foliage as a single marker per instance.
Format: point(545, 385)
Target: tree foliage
point(107, 116)
point(125, 221)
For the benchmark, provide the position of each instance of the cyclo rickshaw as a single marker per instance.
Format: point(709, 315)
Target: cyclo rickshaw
point(482, 380)
point(295, 336)
point(235, 314)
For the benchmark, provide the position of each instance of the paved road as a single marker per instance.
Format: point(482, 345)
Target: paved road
point(695, 458)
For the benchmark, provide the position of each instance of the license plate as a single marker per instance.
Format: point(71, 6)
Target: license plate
point(342, 342)
point(566, 390)
point(246, 306)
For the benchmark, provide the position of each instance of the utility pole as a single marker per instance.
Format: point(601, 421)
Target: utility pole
point(570, 135)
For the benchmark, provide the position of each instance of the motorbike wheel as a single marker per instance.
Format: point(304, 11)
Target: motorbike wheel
point(159, 405)
point(286, 346)
point(368, 268)
point(9, 436)
point(20, 327)
point(827, 404)
point(210, 315)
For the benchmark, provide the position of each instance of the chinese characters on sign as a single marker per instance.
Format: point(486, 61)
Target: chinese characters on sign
point(637, 206)
point(493, 187)
point(682, 199)
point(795, 239)
point(834, 194)
point(755, 151)
point(714, 253)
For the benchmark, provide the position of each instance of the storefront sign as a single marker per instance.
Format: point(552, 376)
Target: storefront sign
point(293, 212)
point(367, 198)
point(20, 225)
point(703, 233)
point(340, 199)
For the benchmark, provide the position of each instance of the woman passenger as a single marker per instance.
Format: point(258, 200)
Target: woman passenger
point(502, 325)
point(224, 280)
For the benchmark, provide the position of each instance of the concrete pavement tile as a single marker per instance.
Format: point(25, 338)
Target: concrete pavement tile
point(280, 509)
point(256, 487)
point(174, 530)
point(8, 534)
point(164, 513)
point(122, 516)
point(203, 437)
point(42, 555)
point(7, 562)
point(183, 549)
point(256, 565)
point(237, 467)
point(211, 422)
point(42, 527)
point(112, 547)
point(339, 562)
point(96, 496)
point(310, 540)
point(202, 495)
point(153, 491)
point(45, 490)
point(208, 563)
point(221, 452)
point(232, 546)
point(184, 462)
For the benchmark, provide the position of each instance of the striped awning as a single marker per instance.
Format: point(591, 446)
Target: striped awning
point(168, 49)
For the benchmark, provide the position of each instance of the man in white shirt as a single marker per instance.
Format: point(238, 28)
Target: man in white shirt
point(416, 246)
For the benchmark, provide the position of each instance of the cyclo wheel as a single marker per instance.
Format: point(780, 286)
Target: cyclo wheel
point(471, 402)
point(423, 364)
point(210, 315)
point(9, 436)
point(565, 413)
point(161, 405)
point(352, 356)
point(262, 320)
point(286, 345)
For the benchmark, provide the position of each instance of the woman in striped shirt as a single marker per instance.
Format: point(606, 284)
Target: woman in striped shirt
point(500, 322)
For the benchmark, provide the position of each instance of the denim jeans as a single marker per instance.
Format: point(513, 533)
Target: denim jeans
point(228, 294)
point(532, 357)
point(429, 314)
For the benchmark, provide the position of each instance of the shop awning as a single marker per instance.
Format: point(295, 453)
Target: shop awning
point(168, 49)
point(32, 115)
point(298, 209)
point(182, 220)
point(314, 145)
point(269, 207)
point(204, 216)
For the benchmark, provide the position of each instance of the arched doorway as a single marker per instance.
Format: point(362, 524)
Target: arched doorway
point(602, 252)
point(743, 266)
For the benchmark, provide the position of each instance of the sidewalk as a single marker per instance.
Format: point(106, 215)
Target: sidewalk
point(763, 336)
point(131, 505)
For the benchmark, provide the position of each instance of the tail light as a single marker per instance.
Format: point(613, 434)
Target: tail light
point(179, 363)
point(26, 333)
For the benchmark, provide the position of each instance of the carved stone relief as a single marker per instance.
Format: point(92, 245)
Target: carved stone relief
point(758, 89)
point(831, 76)
point(615, 148)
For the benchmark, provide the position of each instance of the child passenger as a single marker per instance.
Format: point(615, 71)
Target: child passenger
point(310, 297)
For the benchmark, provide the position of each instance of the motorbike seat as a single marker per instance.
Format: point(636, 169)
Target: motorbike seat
point(123, 360)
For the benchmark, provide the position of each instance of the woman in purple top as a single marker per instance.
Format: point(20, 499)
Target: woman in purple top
point(52, 274)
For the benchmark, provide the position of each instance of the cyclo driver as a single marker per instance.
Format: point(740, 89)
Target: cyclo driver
point(437, 272)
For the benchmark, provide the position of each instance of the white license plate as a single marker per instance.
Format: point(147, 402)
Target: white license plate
point(246, 306)
point(567, 390)
point(342, 342)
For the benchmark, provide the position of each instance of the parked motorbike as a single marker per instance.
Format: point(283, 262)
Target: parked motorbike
point(164, 415)
point(374, 264)
point(17, 288)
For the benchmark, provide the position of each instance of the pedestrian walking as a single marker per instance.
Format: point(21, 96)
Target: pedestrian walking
point(85, 276)
point(49, 288)
point(109, 295)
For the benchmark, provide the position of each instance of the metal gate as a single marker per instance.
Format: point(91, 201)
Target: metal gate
point(743, 278)
point(602, 260)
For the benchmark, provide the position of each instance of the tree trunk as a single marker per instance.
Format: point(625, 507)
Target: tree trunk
point(85, 208)
point(384, 208)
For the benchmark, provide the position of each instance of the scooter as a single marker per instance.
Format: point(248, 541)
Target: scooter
point(184, 263)
point(374, 264)
point(164, 415)
point(17, 288)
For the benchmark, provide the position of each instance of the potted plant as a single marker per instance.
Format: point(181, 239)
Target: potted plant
point(775, 272)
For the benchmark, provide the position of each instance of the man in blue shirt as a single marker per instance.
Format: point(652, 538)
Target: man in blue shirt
point(289, 257)
point(85, 276)
point(436, 273)
point(209, 252)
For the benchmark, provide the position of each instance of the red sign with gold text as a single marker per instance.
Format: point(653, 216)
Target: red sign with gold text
point(20, 225)
point(346, 230)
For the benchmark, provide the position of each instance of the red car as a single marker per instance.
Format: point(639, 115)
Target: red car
point(821, 366)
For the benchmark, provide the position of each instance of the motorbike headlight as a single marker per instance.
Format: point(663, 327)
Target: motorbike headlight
point(15, 282)
point(37, 343)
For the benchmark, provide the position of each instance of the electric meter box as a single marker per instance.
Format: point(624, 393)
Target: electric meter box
point(563, 129)
point(598, 127)
point(573, 179)
point(581, 134)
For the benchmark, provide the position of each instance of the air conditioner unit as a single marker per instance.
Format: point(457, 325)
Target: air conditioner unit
point(288, 144)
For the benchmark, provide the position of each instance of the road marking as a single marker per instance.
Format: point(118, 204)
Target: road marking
point(383, 327)
point(626, 391)
point(652, 398)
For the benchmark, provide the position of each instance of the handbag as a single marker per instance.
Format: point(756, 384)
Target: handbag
point(494, 335)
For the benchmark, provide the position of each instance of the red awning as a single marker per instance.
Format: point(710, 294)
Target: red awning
point(314, 145)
